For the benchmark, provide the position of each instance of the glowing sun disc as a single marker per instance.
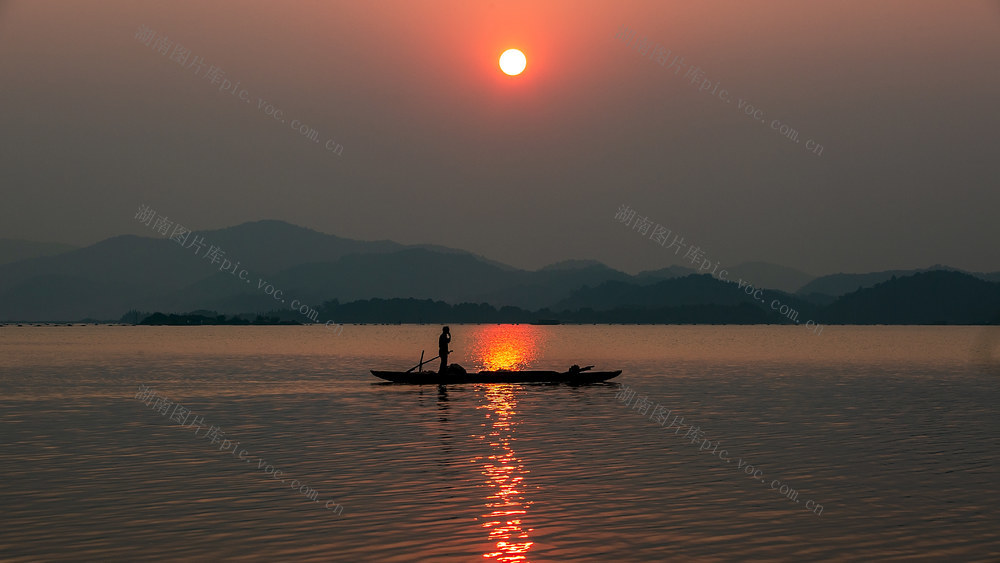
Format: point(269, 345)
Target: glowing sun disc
point(512, 62)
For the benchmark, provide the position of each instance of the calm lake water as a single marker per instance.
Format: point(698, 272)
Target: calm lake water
point(861, 443)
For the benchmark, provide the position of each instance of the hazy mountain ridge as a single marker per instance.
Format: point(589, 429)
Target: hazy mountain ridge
point(835, 285)
point(934, 297)
point(15, 250)
point(157, 274)
point(774, 276)
point(954, 298)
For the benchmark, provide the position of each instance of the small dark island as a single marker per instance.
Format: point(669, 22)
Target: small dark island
point(158, 319)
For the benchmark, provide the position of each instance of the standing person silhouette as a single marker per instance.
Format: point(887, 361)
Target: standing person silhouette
point(443, 342)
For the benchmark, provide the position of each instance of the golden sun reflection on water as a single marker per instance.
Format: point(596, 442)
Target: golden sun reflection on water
point(504, 473)
point(512, 347)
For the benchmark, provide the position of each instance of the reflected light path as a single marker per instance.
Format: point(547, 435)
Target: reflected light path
point(504, 347)
point(504, 473)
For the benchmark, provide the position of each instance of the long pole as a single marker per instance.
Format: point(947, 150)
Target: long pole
point(422, 362)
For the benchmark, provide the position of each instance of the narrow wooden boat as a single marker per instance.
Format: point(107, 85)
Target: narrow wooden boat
point(574, 377)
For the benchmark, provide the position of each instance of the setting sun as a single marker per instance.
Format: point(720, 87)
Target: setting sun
point(510, 347)
point(512, 62)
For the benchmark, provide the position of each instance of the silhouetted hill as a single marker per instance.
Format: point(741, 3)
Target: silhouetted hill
point(652, 276)
point(157, 274)
point(836, 285)
point(268, 247)
point(744, 313)
point(533, 290)
point(936, 297)
point(154, 273)
point(413, 272)
point(423, 274)
point(14, 250)
point(690, 290)
point(430, 311)
point(448, 250)
point(193, 319)
point(574, 264)
point(99, 281)
point(773, 276)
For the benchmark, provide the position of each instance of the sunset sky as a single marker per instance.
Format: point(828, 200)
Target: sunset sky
point(439, 146)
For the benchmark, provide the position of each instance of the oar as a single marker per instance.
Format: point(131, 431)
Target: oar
point(421, 364)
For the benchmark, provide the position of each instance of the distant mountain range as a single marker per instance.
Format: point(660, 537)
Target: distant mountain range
point(930, 297)
point(255, 262)
point(835, 285)
point(14, 250)
point(762, 274)
point(934, 297)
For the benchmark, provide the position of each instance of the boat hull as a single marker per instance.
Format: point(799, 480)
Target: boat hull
point(435, 378)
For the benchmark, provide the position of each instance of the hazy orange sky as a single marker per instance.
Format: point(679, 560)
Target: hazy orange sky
point(440, 147)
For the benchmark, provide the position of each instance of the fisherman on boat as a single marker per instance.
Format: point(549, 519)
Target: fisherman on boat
point(443, 342)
